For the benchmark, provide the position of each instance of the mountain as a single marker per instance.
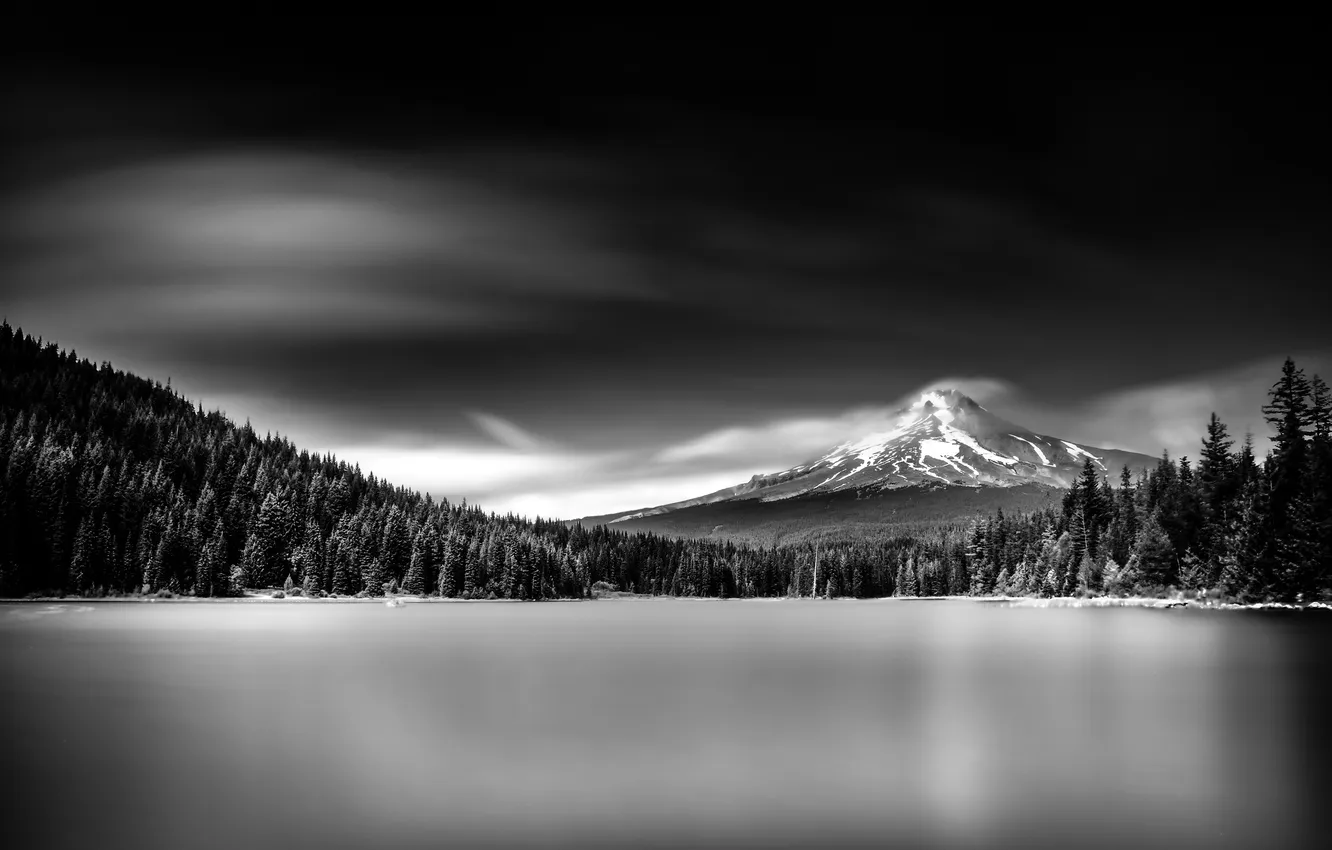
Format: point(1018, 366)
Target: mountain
point(941, 443)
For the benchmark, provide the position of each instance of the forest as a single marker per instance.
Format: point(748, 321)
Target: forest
point(115, 485)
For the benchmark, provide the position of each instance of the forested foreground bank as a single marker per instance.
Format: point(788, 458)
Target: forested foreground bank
point(112, 484)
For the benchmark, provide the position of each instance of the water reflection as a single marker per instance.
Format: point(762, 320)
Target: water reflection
point(657, 722)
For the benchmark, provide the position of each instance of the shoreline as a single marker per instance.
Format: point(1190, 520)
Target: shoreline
point(403, 600)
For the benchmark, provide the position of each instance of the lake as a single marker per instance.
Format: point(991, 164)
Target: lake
point(659, 723)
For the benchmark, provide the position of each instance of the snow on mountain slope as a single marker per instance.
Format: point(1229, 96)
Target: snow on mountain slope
point(943, 439)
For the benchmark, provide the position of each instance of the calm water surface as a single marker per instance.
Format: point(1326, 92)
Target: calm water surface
point(659, 723)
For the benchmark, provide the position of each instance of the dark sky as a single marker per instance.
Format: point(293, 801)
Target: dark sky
point(574, 270)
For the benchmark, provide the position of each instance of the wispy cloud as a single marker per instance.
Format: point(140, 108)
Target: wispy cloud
point(505, 433)
point(311, 244)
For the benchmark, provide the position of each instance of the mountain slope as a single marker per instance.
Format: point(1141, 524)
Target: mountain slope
point(113, 484)
point(943, 441)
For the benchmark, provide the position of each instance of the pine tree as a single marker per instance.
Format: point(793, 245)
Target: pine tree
point(310, 559)
point(372, 577)
point(1218, 485)
point(513, 569)
point(907, 583)
point(1123, 526)
point(1086, 512)
point(1064, 566)
point(1216, 466)
point(342, 571)
point(273, 541)
point(471, 570)
point(111, 562)
point(1296, 576)
point(1154, 555)
point(1194, 573)
point(82, 566)
point(251, 564)
point(448, 570)
point(414, 583)
point(395, 550)
point(1287, 412)
point(1246, 548)
point(210, 576)
point(980, 556)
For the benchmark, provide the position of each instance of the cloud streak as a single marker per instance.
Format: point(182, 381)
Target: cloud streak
point(306, 243)
point(652, 297)
point(505, 432)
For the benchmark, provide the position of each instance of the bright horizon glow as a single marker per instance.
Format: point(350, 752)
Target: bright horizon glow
point(518, 470)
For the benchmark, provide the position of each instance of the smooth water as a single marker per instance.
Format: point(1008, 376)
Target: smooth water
point(658, 722)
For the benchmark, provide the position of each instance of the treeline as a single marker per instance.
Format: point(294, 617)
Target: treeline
point(112, 484)
point(1227, 525)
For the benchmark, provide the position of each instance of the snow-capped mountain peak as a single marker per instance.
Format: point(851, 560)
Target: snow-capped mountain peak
point(942, 438)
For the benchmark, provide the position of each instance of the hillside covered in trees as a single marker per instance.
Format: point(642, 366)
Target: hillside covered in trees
point(113, 484)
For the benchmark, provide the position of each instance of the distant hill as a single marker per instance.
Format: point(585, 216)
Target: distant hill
point(839, 515)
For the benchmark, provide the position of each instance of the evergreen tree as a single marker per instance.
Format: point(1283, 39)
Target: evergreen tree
point(1216, 468)
point(471, 570)
point(83, 564)
point(395, 550)
point(1123, 528)
point(251, 564)
point(310, 559)
point(1086, 512)
point(211, 577)
point(1154, 555)
point(1287, 413)
point(272, 537)
point(1246, 548)
point(448, 571)
point(372, 577)
point(420, 567)
point(342, 572)
point(907, 583)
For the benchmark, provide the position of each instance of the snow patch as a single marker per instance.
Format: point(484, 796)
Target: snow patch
point(836, 476)
point(1040, 454)
point(952, 434)
point(938, 448)
point(969, 466)
point(1078, 450)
